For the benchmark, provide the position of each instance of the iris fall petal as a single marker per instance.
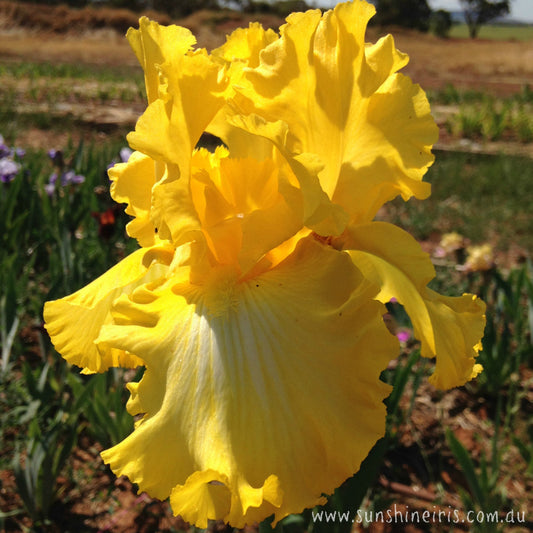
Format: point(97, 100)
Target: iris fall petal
point(449, 328)
point(89, 309)
point(234, 363)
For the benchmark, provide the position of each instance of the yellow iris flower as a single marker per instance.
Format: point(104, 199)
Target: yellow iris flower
point(255, 302)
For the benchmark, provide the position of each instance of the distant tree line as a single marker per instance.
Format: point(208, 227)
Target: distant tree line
point(414, 14)
point(174, 8)
point(417, 14)
point(181, 8)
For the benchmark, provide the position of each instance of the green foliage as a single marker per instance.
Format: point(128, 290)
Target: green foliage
point(51, 245)
point(468, 123)
point(485, 492)
point(441, 23)
point(525, 447)
point(472, 191)
point(36, 473)
point(508, 340)
point(493, 120)
point(507, 350)
point(52, 429)
point(413, 14)
point(522, 124)
point(108, 421)
point(484, 117)
point(33, 71)
point(450, 95)
point(9, 323)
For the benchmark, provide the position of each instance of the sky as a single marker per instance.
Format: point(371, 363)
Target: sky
point(521, 10)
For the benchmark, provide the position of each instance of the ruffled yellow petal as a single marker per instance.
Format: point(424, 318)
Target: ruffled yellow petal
point(241, 50)
point(449, 328)
point(189, 98)
point(191, 90)
point(204, 496)
point(244, 46)
point(392, 151)
point(132, 184)
point(343, 102)
point(320, 213)
point(74, 322)
point(269, 387)
point(153, 45)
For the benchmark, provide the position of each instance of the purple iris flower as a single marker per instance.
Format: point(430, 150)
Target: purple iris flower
point(125, 154)
point(57, 157)
point(8, 170)
point(5, 151)
point(70, 177)
point(50, 187)
point(66, 178)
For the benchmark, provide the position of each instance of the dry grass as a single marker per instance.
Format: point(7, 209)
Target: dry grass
point(46, 33)
point(502, 67)
point(38, 32)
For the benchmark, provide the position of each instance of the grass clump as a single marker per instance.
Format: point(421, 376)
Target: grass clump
point(489, 195)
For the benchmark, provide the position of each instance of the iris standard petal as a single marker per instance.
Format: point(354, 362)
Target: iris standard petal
point(189, 98)
point(190, 93)
point(320, 213)
point(398, 131)
point(246, 207)
point(269, 387)
point(241, 50)
point(153, 45)
point(244, 46)
point(343, 102)
point(74, 322)
point(449, 328)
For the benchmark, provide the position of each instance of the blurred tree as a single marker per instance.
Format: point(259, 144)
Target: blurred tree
point(413, 14)
point(174, 8)
point(70, 3)
point(479, 12)
point(282, 8)
point(441, 23)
